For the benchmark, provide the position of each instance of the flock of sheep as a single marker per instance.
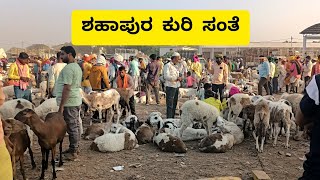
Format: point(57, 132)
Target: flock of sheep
point(216, 131)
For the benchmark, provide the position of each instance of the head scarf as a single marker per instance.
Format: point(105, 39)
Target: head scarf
point(118, 58)
point(86, 58)
point(196, 58)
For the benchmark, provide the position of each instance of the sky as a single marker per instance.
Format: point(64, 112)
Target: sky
point(49, 21)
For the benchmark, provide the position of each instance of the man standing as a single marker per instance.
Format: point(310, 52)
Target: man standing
point(19, 76)
point(219, 71)
point(159, 60)
point(172, 82)
point(125, 81)
point(153, 79)
point(272, 71)
point(264, 73)
point(54, 73)
point(310, 113)
point(67, 92)
point(134, 71)
point(307, 67)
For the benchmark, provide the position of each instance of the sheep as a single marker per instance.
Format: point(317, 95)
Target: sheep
point(236, 103)
point(144, 134)
point(131, 122)
point(261, 123)
point(119, 138)
point(198, 111)
point(50, 132)
point(9, 92)
point(190, 134)
point(168, 143)
point(216, 143)
point(94, 131)
point(102, 101)
point(248, 116)
point(280, 113)
point(10, 108)
point(155, 121)
point(231, 128)
point(43, 88)
point(46, 107)
point(187, 92)
point(20, 142)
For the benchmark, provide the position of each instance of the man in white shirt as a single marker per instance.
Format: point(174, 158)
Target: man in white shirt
point(172, 79)
point(54, 72)
point(307, 68)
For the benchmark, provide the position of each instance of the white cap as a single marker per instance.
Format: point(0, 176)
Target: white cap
point(175, 54)
point(101, 60)
point(118, 57)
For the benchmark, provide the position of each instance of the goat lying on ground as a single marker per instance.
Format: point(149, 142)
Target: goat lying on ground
point(50, 132)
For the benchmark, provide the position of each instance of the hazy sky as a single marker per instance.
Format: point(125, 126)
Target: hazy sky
point(48, 21)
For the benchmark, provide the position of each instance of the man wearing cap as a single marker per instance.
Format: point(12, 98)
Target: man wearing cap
point(67, 91)
point(54, 72)
point(219, 70)
point(19, 76)
point(98, 76)
point(172, 79)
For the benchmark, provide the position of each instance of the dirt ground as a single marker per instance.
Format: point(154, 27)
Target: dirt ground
point(148, 162)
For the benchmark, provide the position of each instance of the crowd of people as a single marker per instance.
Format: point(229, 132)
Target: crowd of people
point(94, 72)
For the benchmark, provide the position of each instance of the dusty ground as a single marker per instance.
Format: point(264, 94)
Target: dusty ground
point(160, 165)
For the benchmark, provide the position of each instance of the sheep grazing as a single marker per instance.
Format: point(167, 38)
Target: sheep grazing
point(49, 132)
point(216, 143)
point(236, 104)
point(131, 122)
point(120, 138)
point(168, 143)
point(144, 134)
point(261, 123)
point(198, 111)
point(19, 142)
point(94, 131)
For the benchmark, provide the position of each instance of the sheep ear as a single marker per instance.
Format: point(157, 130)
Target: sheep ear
point(148, 121)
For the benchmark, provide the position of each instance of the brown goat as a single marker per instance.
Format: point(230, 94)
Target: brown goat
point(18, 141)
point(124, 94)
point(50, 132)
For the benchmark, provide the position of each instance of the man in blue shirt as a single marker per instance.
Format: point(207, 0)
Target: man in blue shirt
point(264, 73)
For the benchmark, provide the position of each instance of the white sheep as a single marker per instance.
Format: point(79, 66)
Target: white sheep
point(119, 139)
point(187, 92)
point(190, 134)
point(9, 92)
point(261, 123)
point(155, 120)
point(198, 111)
point(169, 143)
point(232, 128)
point(46, 107)
point(236, 104)
point(216, 143)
